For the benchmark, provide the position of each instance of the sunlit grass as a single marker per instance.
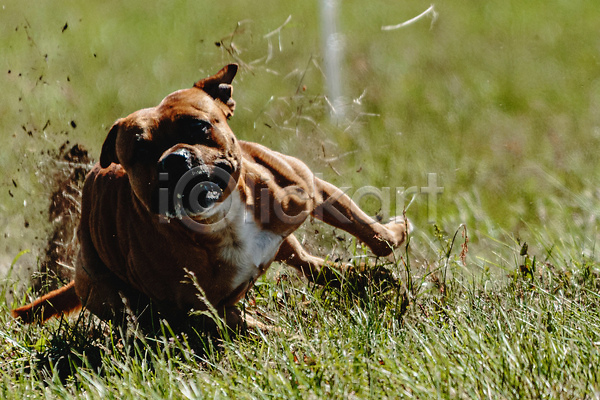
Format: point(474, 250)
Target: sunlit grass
point(533, 335)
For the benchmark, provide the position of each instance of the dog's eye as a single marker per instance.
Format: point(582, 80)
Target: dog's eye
point(199, 126)
point(197, 131)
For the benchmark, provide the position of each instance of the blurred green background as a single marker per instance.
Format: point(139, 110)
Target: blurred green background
point(499, 99)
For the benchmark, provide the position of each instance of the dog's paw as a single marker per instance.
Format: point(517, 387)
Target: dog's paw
point(400, 227)
point(254, 324)
point(399, 219)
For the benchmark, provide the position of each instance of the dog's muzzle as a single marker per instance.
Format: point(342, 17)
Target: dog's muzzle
point(189, 186)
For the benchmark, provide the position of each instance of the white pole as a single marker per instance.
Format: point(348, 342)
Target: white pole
point(332, 53)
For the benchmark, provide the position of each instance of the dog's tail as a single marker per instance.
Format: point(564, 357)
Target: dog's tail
point(58, 302)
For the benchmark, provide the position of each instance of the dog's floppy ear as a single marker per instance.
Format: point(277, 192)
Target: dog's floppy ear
point(219, 87)
point(109, 148)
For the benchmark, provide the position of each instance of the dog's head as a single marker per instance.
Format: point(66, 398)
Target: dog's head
point(180, 156)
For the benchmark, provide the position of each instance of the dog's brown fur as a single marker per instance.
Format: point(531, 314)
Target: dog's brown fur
point(133, 254)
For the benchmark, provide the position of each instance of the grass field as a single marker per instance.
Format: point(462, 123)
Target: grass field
point(497, 100)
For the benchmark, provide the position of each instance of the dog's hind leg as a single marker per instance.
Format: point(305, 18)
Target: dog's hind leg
point(335, 208)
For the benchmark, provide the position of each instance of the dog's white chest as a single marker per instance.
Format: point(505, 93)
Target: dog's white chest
point(250, 249)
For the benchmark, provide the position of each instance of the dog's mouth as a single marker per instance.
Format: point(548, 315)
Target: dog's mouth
point(191, 191)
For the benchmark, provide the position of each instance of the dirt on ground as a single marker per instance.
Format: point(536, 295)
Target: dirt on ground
point(57, 259)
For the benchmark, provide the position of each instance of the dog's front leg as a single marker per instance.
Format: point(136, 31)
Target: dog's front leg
point(337, 209)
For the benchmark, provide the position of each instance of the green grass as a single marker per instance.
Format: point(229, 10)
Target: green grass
point(535, 335)
point(498, 99)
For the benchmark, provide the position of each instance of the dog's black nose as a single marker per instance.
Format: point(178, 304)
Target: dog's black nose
point(185, 184)
point(176, 163)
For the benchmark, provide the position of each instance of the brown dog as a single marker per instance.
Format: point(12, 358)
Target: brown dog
point(176, 194)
